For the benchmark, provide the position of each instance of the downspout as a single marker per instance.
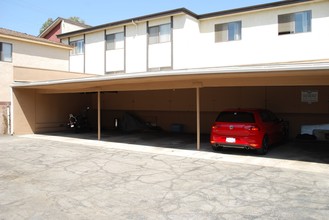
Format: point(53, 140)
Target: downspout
point(136, 26)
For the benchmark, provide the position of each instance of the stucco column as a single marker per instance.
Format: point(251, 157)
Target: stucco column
point(99, 114)
point(198, 118)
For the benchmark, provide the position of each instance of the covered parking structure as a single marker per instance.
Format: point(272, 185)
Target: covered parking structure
point(191, 98)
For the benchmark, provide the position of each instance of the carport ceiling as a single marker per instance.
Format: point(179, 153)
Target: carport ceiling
point(177, 80)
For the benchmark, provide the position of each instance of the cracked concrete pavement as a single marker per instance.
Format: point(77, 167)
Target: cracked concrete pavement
point(47, 177)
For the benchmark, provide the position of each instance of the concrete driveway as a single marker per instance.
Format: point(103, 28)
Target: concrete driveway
point(52, 177)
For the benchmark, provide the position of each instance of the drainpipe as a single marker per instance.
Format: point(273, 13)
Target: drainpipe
point(136, 27)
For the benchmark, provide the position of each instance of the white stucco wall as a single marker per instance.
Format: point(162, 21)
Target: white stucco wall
point(67, 27)
point(136, 44)
point(260, 40)
point(94, 53)
point(186, 42)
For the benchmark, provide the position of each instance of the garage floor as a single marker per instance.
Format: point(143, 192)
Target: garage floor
point(308, 151)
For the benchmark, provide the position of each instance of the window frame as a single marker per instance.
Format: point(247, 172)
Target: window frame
point(78, 47)
point(290, 24)
point(115, 41)
point(230, 31)
point(159, 33)
point(3, 54)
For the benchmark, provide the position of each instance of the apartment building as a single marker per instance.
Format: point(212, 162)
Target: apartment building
point(281, 32)
point(177, 67)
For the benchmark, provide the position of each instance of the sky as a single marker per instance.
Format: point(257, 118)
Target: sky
point(27, 16)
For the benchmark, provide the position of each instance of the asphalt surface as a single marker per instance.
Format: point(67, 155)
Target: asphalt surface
point(55, 177)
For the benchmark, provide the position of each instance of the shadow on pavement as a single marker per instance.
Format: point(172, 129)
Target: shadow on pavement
point(308, 151)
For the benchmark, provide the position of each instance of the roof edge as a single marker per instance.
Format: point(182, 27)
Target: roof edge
point(188, 12)
point(35, 40)
point(252, 8)
point(129, 20)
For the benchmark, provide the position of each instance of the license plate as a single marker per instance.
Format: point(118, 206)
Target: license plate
point(230, 140)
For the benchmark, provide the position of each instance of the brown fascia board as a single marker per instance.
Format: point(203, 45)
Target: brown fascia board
point(126, 21)
point(252, 8)
point(188, 12)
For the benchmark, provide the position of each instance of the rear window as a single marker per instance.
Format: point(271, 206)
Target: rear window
point(245, 117)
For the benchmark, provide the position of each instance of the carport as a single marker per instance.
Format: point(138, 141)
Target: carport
point(204, 88)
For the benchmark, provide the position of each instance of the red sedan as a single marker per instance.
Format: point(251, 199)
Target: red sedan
point(247, 128)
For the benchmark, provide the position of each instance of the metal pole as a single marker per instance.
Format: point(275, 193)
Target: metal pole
point(99, 114)
point(198, 118)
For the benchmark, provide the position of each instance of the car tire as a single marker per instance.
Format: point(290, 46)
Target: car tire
point(265, 147)
point(217, 148)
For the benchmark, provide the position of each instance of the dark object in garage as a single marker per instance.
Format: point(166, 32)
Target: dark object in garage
point(306, 137)
point(130, 123)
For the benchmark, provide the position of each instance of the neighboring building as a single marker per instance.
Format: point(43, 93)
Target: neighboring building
point(177, 67)
point(26, 58)
point(61, 26)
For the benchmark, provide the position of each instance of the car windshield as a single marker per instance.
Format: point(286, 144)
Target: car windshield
point(240, 117)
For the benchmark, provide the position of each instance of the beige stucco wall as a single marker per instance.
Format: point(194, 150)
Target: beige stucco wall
point(6, 73)
point(39, 56)
point(166, 107)
point(32, 74)
point(24, 111)
point(39, 113)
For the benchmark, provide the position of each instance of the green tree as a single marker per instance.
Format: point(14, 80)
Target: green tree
point(46, 24)
point(76, 19)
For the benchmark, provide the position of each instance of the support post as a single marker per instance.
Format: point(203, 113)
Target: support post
point(198, 118)
point(99, 114)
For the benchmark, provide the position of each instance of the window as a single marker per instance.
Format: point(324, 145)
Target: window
point(6, 52)
point(159, 34)
point(299, 22)
point(78, 47)
point(115, 41)
point(237, 117)
point(228, 31)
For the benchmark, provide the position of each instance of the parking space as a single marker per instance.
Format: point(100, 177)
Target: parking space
point(291, 150)
point(65, 177)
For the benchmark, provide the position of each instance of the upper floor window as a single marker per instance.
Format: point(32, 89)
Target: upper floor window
point(115, 41)
point(228, 31)
point(298, 22)
point(78, 47)
point(6, 52)
point(160, 34)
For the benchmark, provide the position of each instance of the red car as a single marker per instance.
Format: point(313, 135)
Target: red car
point(247, 128)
